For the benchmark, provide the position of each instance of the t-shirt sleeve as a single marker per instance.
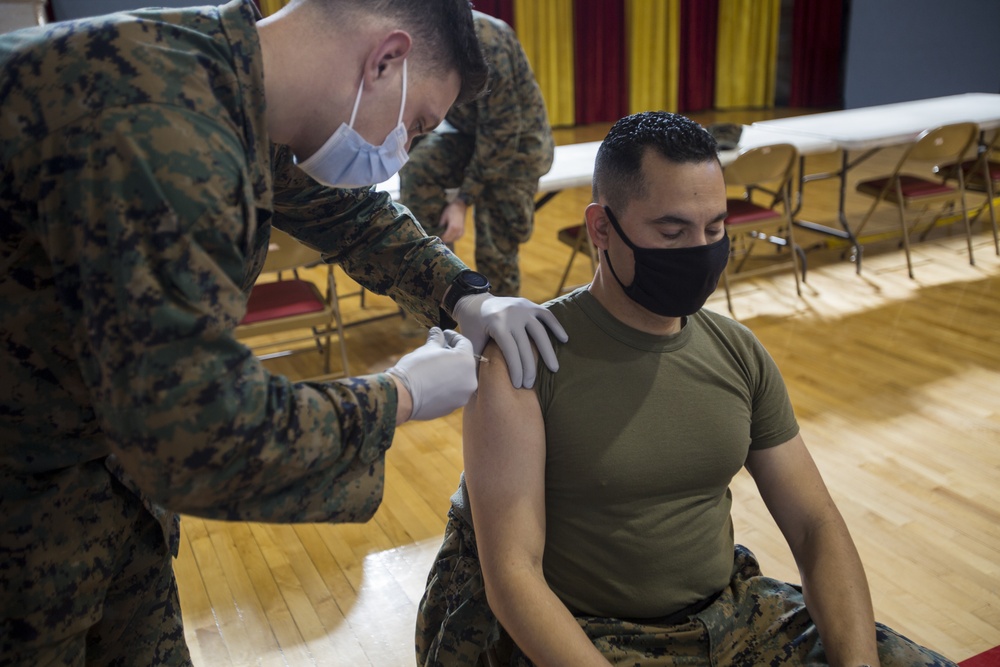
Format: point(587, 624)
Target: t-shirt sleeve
point(773, 420)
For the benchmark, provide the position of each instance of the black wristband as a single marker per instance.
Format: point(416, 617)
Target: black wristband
point(467, 282)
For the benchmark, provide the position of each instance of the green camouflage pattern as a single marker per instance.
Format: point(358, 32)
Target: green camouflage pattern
point(102, 592)
point(755, 621)
point(502, 144)
point(138, 190)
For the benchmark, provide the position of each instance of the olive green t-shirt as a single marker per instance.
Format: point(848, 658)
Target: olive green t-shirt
point(643, 435)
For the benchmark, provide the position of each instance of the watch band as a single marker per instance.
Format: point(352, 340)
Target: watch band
point(465, 283)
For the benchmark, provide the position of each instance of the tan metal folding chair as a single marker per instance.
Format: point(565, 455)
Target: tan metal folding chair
point(767, 169)
point(577, 238)
point(937, 146)
point(982, 174)
point(292, 305)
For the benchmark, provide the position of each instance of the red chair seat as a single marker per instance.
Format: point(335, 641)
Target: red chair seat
point(741, 212)
point(972, 167)
point(284, 298)
point(913, 187)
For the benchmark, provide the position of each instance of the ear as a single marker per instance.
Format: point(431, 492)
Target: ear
point(598, 225)
point(387, 55)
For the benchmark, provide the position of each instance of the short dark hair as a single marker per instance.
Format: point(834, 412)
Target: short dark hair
point(618, 168)
point(444, 36)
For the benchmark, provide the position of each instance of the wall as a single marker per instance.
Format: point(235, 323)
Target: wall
point(900, 50)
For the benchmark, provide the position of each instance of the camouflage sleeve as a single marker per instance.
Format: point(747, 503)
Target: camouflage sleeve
point(377, 242)
point(143, 211)
point(499, 123)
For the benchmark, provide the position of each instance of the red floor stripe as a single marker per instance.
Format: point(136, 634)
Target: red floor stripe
point(990, 658)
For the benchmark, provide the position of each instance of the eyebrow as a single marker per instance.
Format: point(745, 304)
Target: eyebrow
point(678, 220)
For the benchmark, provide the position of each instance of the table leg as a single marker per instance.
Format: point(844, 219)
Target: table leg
point(845, 231)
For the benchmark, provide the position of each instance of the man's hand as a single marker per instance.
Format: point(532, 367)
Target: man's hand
point(513, 323)
point(453, 221)
point(439, 376)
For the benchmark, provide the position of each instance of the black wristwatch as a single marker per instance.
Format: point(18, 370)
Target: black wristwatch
point(466, 283)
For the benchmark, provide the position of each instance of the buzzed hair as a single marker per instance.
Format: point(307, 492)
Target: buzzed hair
point(618, 173)
point(444, 36)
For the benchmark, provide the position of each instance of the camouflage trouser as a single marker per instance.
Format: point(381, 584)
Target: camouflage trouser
point(504, 212)
point(754, 621)
point(85, 576)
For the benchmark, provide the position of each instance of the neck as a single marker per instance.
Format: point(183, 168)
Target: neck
point(305, 84)
point(609, 294)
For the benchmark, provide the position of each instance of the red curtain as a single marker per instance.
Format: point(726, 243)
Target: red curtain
point(817, 41)
point(501, 9)
point(699, 29)
point(601, 83)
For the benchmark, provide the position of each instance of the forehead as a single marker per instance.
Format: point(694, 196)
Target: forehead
point(681, 189)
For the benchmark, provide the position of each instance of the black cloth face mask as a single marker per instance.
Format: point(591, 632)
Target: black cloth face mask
point(672, 282)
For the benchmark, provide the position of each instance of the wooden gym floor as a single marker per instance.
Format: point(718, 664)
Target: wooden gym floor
point(896, 384)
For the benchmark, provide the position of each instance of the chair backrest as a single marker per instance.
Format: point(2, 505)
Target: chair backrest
point(764, 164)
point(284, 253)
point(942, 144)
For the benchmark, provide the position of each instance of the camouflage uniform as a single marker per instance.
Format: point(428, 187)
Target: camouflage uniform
point(501, 146)
point(755, 621)
point(138, 190)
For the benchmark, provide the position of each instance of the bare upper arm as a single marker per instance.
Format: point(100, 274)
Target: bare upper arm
point(792, 488)
point(504, 451)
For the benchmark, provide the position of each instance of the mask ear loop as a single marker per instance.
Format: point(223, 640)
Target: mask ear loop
point(607, 257)
point(402, 101)
point(357, 101)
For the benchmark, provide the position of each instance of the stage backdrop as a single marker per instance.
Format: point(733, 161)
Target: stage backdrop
point(598, 60)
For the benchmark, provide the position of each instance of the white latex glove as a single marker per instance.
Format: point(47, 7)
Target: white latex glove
point(440, 375)
point(513, 323)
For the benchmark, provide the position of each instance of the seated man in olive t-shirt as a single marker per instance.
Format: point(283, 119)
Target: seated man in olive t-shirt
point(601, 498)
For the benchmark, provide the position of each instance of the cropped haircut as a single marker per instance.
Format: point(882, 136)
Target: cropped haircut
point(444, 36)
point(618, 173)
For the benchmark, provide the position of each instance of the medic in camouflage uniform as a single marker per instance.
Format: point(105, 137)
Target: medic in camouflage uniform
point(501, 146)
point(139, 184)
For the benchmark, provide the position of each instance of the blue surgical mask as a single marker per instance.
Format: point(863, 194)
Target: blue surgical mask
point(346, 160)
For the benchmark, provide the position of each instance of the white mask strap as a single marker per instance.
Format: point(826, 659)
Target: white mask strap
point(357, 100)
point(402, 102)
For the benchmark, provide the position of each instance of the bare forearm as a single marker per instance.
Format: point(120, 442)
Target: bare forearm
point(837, 596)
point(539, 623)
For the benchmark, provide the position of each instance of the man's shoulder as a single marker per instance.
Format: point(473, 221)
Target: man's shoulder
point(56, 74)
point(720, 323)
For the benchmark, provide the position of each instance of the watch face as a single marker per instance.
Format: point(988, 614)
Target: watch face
point(475, 280)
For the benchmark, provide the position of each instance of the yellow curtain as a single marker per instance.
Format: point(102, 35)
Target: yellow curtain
point(747, 53)
point(268, 7)
point(654, 46)
point(545, 29)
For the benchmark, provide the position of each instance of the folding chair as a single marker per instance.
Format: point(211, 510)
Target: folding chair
point(982, 174)
point(937, 146)
point(286, 306)
point(768, 169)
point(577, 238)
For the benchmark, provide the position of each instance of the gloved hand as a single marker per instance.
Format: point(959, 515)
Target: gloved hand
point(440, 375)
point(513, 323)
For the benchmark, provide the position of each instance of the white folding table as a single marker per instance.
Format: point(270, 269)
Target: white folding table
point(871, 128)
point(573, 164)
